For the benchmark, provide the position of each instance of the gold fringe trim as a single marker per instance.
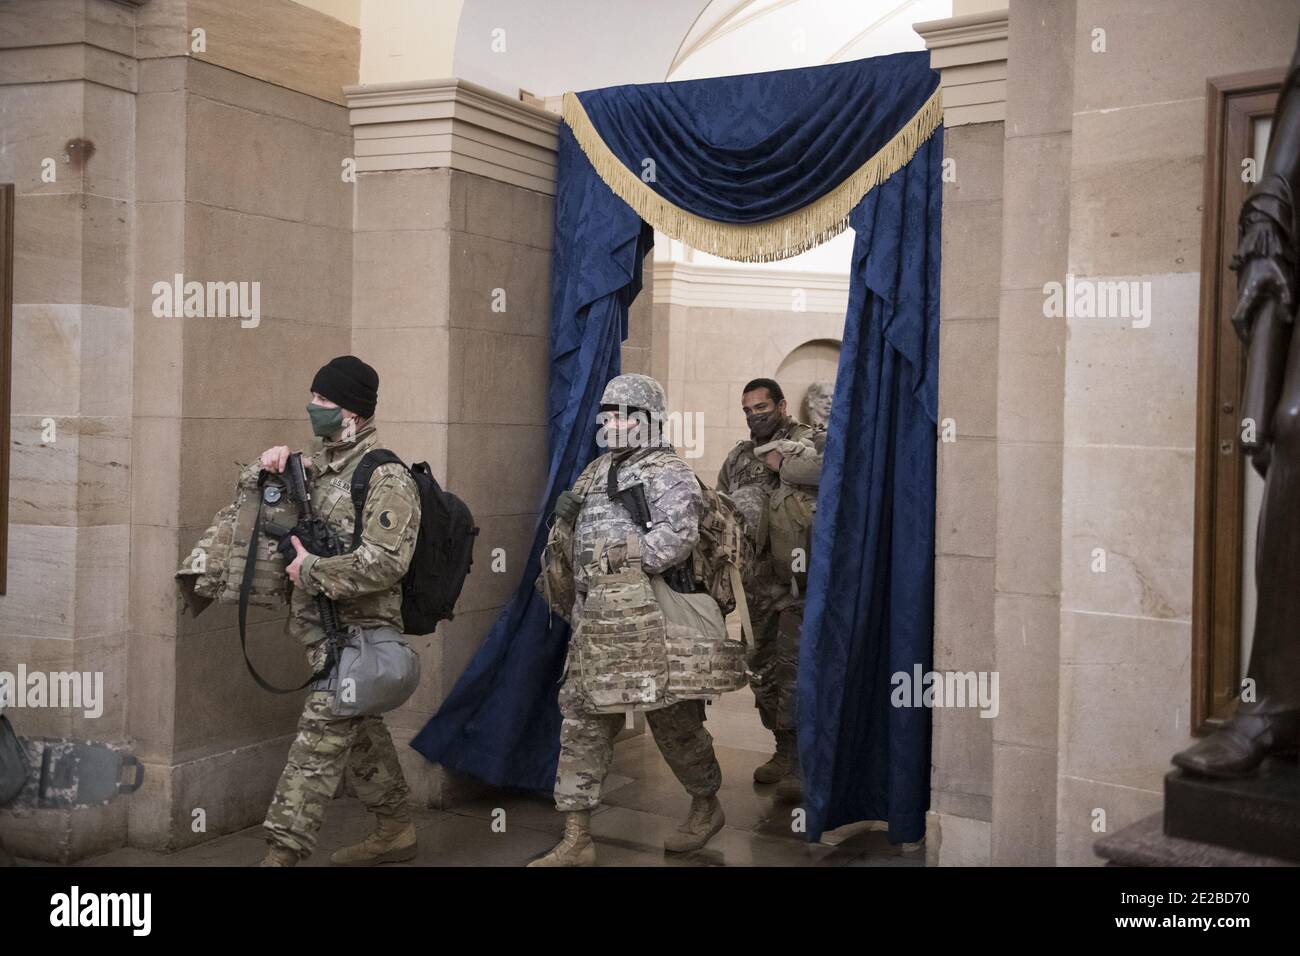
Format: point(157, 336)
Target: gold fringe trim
point(819, 221)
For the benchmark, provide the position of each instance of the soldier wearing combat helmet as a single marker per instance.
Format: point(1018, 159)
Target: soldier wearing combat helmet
point(632, 409)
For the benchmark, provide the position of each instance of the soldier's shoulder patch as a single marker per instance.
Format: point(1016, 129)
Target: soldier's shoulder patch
point(391, 507)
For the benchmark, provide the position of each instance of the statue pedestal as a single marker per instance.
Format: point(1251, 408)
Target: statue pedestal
point(1250, 822)
point(1259, 814)
point(1145, 843)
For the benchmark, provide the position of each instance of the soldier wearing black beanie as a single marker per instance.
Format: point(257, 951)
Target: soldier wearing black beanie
point(365, 584)
point(349, 383)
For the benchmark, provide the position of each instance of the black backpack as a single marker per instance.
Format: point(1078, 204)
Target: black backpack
point(444, 549)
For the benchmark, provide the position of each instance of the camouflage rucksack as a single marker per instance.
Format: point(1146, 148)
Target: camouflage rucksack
point(555, 582)
point(722, 554)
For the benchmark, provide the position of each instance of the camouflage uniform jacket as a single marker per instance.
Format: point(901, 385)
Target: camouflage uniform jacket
point(750, 483)
point(367, 582)
point(676, 505)
point(743, 470)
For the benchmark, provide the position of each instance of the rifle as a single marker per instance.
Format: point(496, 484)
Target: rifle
point(679, 576)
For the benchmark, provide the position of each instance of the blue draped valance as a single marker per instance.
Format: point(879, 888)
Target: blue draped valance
point(756, 167)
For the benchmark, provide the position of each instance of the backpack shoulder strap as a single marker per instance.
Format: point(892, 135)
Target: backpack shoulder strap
point(361, 484)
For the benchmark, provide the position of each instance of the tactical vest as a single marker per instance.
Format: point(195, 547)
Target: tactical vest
point(213, 570)
point(718, 561)
point(619, 651)
point(638, 644)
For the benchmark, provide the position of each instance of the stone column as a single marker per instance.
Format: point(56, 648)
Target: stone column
point(1030, 397)
point(970, 52)
point(238, 179)
point(454, 218)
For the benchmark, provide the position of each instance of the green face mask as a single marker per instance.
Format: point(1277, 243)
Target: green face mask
point(325, 421)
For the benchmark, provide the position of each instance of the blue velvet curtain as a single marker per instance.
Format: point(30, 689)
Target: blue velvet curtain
point(870, 607)
point(739, 150)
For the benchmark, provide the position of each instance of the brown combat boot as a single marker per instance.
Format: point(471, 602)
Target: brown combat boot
point(392, 842)
point(576, 849)
point(705, 819)
point(790, 789)
point(279, 856)
point(779, 765)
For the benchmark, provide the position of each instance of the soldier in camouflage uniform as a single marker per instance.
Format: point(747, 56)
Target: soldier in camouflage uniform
point(367, 586)
point(780, 452)
point(676, 505)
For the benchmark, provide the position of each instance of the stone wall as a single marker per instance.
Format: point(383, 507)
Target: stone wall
point(66, 606)
point(1137, 164)
point(201, 171)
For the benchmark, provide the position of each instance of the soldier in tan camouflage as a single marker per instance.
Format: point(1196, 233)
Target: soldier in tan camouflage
point(366, 584)
point(782, 456)
point(587, 738)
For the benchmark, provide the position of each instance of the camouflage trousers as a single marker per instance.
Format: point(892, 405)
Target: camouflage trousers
point(325, 748)
point(774, 665)
point(587, 749)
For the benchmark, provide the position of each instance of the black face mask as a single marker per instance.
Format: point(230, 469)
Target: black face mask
point(762, 426)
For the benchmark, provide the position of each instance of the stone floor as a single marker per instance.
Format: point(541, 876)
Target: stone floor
point(643, 802)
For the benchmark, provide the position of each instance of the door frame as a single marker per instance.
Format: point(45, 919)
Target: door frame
point(1233, 103)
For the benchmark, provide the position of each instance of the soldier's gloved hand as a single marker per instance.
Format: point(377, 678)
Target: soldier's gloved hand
point(567, 506)
point(787, 448)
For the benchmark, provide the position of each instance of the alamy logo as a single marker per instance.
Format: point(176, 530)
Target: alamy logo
point(81, 690)
point(102, 909)
point(1098, 299)
point(210, 300)
point(946, 689)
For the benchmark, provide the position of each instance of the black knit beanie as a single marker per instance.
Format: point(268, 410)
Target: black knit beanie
point(349, 383)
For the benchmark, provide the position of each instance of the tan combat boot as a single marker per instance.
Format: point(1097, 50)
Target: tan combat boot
point(279, 856)
point(705, 819)
point(392, 842)
point(790, 789)
point(576, 849)
point(779, 765)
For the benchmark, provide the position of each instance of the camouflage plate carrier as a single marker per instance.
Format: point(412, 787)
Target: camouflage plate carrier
point(694, 658)
point(620, 647)
point(213, 570)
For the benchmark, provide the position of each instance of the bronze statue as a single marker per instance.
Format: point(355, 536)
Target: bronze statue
point(1267, 247)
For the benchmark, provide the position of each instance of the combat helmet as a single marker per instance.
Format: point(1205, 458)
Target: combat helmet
point(635, 391)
